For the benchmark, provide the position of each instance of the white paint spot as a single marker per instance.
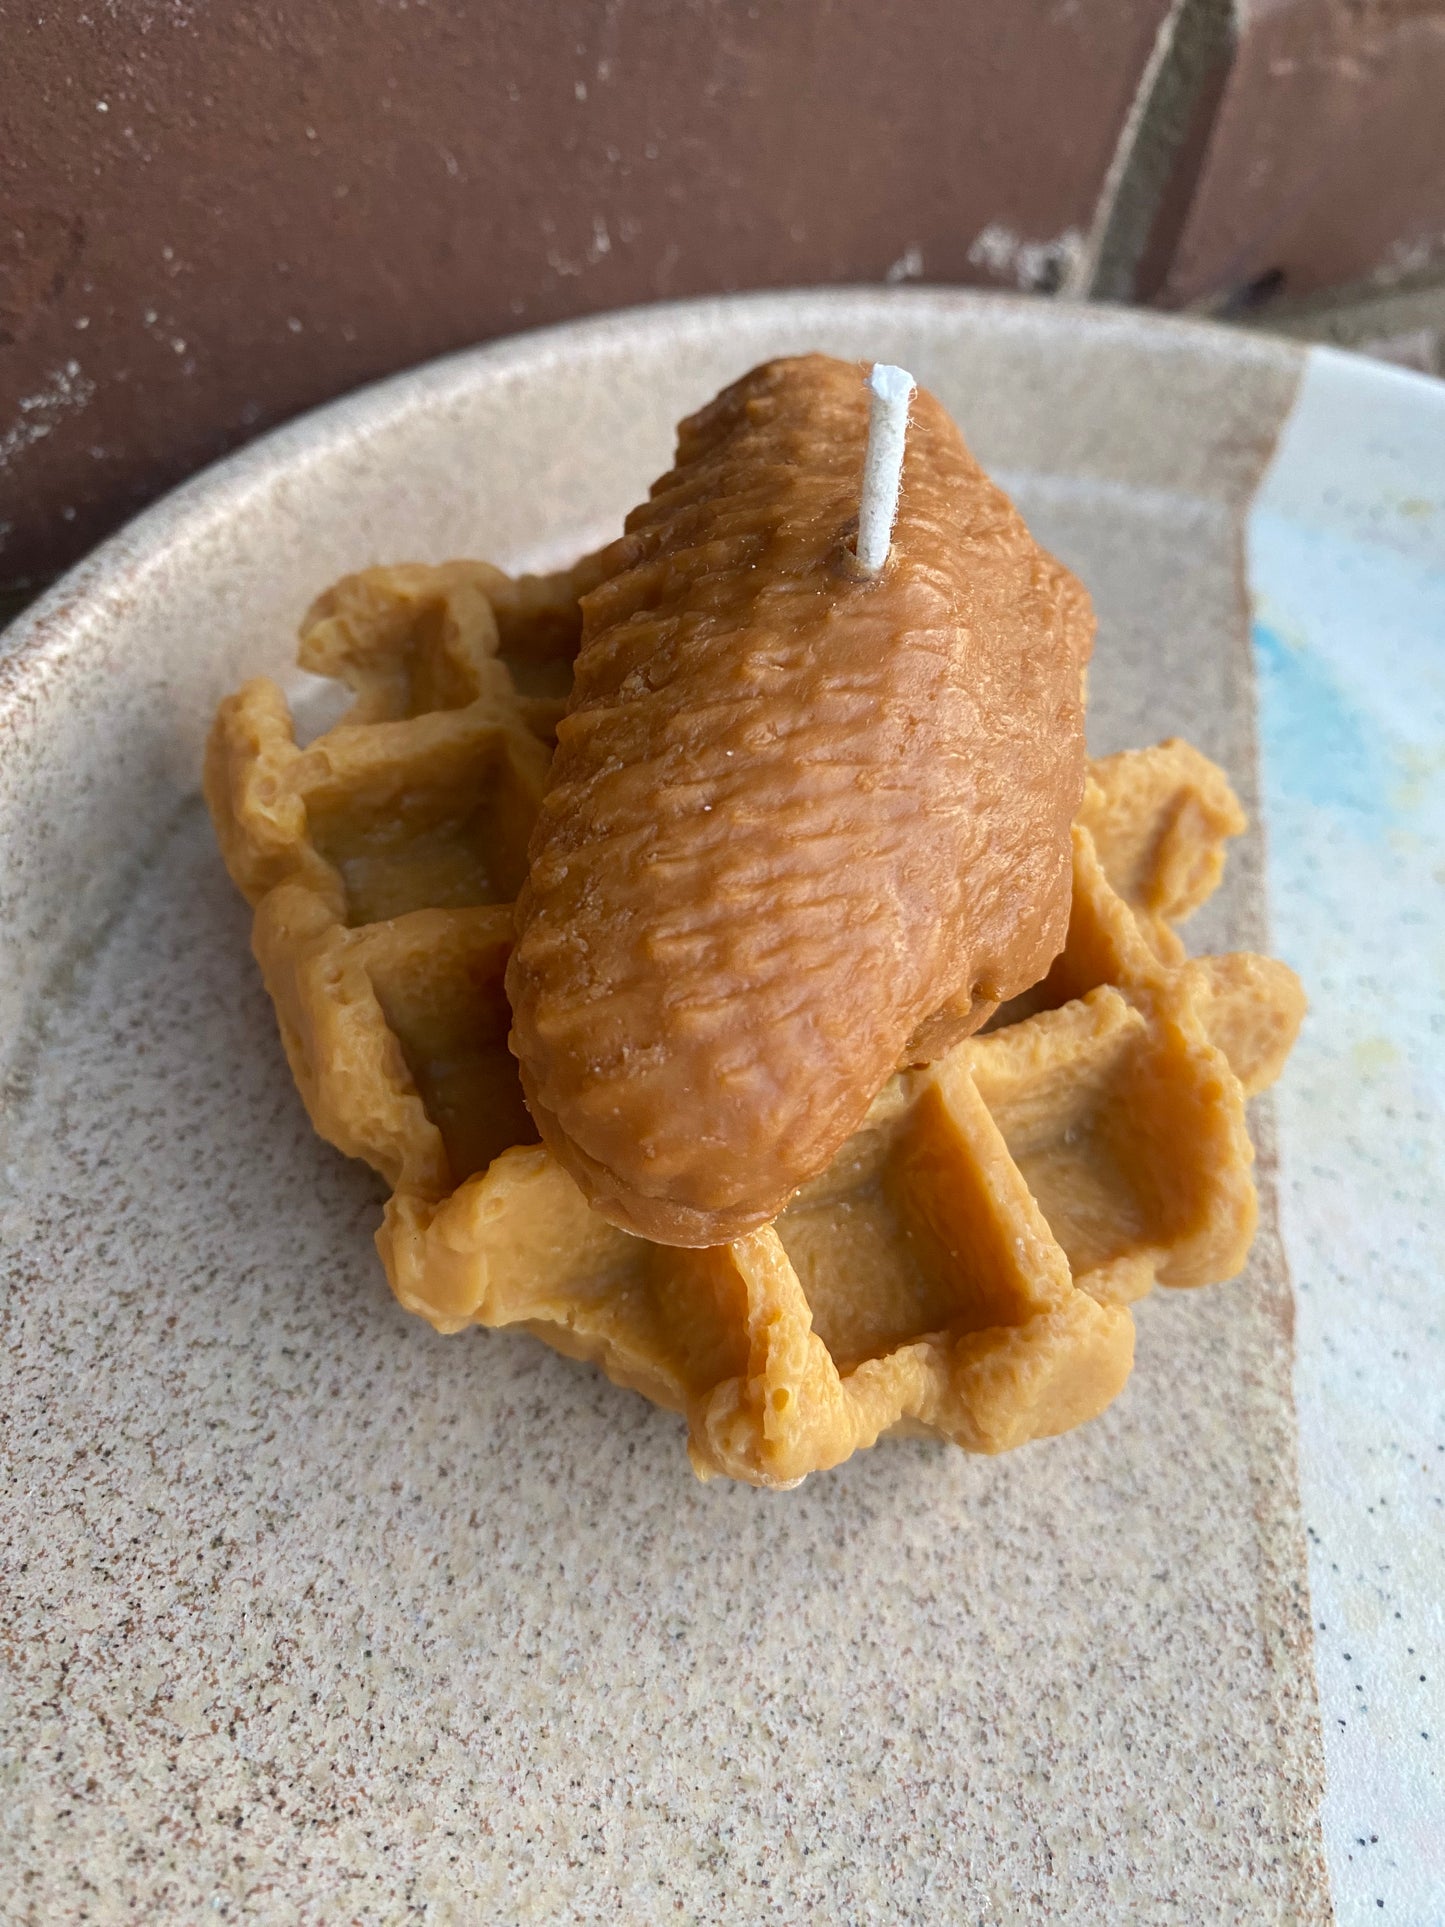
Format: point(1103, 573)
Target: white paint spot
point(65, 392)
point(1033, 266)
point(175, 13)
point(1418, 255)
point(908, 267)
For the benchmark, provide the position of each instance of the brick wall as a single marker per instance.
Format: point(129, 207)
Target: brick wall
point(212, 217)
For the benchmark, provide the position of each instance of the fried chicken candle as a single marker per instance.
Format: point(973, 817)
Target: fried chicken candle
point(804, 824)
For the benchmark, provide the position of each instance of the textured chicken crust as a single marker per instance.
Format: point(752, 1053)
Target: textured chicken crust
point(965, 1264)
point(801, 827)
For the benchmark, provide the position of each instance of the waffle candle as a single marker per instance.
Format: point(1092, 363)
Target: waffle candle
point(805, 892)
point(964, 1266)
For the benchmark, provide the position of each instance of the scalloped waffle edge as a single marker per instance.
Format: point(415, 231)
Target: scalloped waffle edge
point(965, 1265)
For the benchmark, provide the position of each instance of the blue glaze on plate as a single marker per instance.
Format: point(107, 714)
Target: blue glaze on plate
point(1347, 573)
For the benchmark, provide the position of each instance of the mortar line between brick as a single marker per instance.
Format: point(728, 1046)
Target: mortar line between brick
point(1194, 38)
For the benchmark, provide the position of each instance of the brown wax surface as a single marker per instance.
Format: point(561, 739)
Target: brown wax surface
point(800, 827)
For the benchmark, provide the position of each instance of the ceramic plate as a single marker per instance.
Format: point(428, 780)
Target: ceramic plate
point(311, 1614)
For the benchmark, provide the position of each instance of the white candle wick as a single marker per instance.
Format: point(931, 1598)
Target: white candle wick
point(890, 391)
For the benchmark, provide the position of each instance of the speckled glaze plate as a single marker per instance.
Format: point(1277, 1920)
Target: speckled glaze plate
point(312, 1615)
